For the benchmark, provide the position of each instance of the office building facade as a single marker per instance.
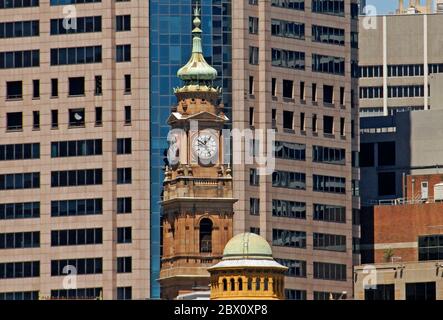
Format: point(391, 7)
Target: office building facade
point(294, 70)
point(74, 168)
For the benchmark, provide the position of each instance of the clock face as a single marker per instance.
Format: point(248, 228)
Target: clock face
point(205, 146)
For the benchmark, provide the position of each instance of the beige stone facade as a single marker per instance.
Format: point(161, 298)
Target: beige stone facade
point(258, 95)
point(112, 101)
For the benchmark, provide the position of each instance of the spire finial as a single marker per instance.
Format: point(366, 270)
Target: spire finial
point(197, 21)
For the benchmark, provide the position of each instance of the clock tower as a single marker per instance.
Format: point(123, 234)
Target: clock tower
point(197, 201)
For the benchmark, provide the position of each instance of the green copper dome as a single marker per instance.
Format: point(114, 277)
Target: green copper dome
point(197, 70)
point(247, 246)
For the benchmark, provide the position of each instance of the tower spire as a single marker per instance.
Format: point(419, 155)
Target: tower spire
point(197, 71)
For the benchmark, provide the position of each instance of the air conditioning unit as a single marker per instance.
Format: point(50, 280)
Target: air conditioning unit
point(438, 192)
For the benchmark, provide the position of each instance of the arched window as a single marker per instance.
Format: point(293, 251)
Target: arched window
point(205, 235)
point(232, 285)
point(257, 284)
point(266, 284)
point(250, 284)
point(240, 284)
point(225, 285)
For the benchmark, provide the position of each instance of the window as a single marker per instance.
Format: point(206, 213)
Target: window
point(124, 264)
point(76, 237)
point(123, 53)
point(381, 292)
point(21, 151)
point(82, 266)
point(323, 295)
point(289, 151)
point(342, 127)
point(127, 83)
point(288, 87)
point(35, 89)
point(77, 117)
point(98, 86)
point(253, 25)
point(274, 118)
point(77, 86)
point(54, 119)
point(76, 55)
point(19, 210)
point(332, 7)
point(386, 153)
point(123, 23)
point(329, 242)
point(386, 184)
point(314, 123)
point(124, 235)
point(205, 236)
point(302, 91)
point(255, 230)
point(14, 90)
point(19, 29)
point(289, 4)
point(288, 238)
point(251, 116)
point(254, 178)
point(328, 94)
point(274, 87)
point(124, 175)
point(78, 294)
point(329, 184)
point(288, 59)
point(328, 64)
point(314, 92)
point(72, 178)
point(289, 180)
point(329, 155)
point(76, 148)
point(421, 291)
point(329, 213)
point(328, 125)
point(292, 294)
point(342, 96)
point(20, 240)
point(430, 247)
point(19, 295)
point(287, 29)
point(288, 209)
point(17, 181)
point(124, 205)
point(302, 122)
point(124, 146)
point(82, 25)
point(128, 117)
point(54, 88)
point(253, 55)
point(367, 155)
point(329, 271)
point(19, 59)
point(35, 120)
point(254, 207)
point(251, 85)
point(328, 35)
point(124, 293)
point(288, 119)
point(14, 121)
point(76, 207)
point(27, 269)
point(296, 268)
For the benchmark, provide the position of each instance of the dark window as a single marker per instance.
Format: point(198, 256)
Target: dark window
point(328, 125)
point(124, 264)
point(205, 235)
point(367, 155)
point(124, 175)
point(381, 292)
point(124, 293)
point(123, 53)
point(386, 184)
point(124, 146)
point(14, 89)
point(98, 116)
point(329, 271)
point(35, 89)
point(54, 119)
point(98, 86)
point(251, 85)
point(288, 87)
point(35, 120)
point(124, 235)
point(421, 291)
point(289, 238)
point(430, 247)
point(54, 88)
point(77, 86)
point(314, 92)
point(128, 115)
point(76, 117)
point(328, 94)
point(123, 23)
point(288, 120)
point(14, 120)
point(296, 268)
point(127, 83)
point(124, 205)
point(274, 87)
point(329, 242)
point(288, 209)
point(386, 153)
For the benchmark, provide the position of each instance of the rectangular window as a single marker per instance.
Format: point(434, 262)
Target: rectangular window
point(329, 271)
point(328, 94)
point(302, 121)
point(302, 91)
point(288, 59)
point(76, 207)
point(289, 238)
point(329, 213)
point(288, 209)
point(20, 240)
point(380, 293)
point(288, 87)
point(54, 119)
point(98, 116)
point(14, 90)
point(314, 123)
point(430, 247)
point(35, 120)
point(329, 155)
point(254, 178)
point(98, 86)
point(332, 7)
point(254, 207)
point(296, 268)
point(251, 85)
point(421, 291)
point(54, 88)
point(19, 59)
point(287, 29)
point(328, 125)
point(124, 146)
point(274, 87)
point(82, 266)
point(14, 121)
point(328, 35)
point(77, 86)
point(78, 294)
point(19, 210)
point(124, 235)
point(314, 92)
point(77, 117)
point(72, 178)
point(329, 184)
point(124, 175)
point(13, 270)
point(124, 264)
point(290, 151)
point(128, 116)
point(76, 148)
point(76, 237)
point(124, 293)
point(289, 180)
point(123, 53)
point(76, 55)
point(35, 89)
point(128, 84)
point(288, 4)
point(253, 25)
point(124, 205)
point(123, 23)
point(82, 25)
point(342, 127)
point(288, 120)
point(328, 64)
point(329, 242)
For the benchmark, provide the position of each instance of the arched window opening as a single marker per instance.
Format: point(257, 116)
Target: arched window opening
point(257, 284)
point(225, 285)
point(205, 236)
point(232, 285)
point(240, 284)
point(266, 284)
point(250, 284)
